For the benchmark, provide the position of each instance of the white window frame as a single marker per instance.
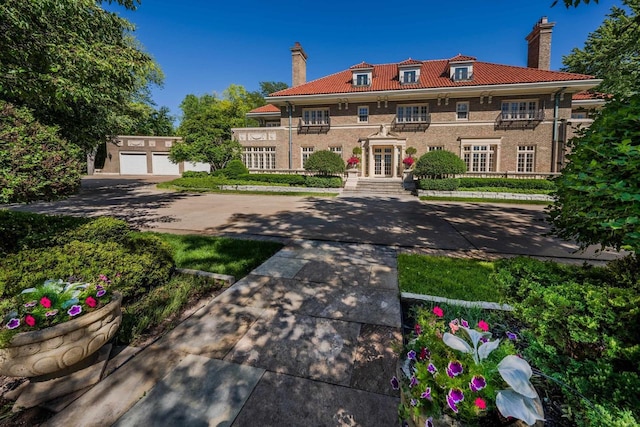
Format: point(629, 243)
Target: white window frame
point(415, 72)
point(336, 149)
point(462, 111)
point(363, 114)
point(480, 155)
point(435, 148)
point(526, 159)
point(358, 75)
point(259, 157)
point(305, 153)
point(412, 113)
point(519, 109)
point(314, 117)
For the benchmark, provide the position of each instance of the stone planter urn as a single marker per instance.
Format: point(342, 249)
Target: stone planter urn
point(53, 349)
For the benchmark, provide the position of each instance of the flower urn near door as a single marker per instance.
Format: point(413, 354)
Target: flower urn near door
point(87, 321)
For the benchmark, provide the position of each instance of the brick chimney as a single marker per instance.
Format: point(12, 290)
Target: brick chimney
point(539, 43)
point(298, 65)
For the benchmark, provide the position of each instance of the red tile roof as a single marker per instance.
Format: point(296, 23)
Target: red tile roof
point(410, 62)
point(460, 58)
point(269, 108)
point(361, 65)
point(433, 74)
point(587, 95)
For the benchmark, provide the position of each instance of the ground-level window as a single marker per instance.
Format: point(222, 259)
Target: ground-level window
point(306, 152)
point(526, 158)
point(259, 157)
point(479, 157)
point(336, 149)
point(435, 148)
point(363, 114)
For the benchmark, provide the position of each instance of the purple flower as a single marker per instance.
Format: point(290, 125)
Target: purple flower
point(429, 422)
point(101, 293)
point(432, 368)
point(426, 394)
point(477, 383)
point(395, 384)
point(414, 402)
point(484, 339)
point(456, 395)
point(452, 404)
point(464, 323)
point(51, 313)
point(454, 368)
point(74, 310)
point(411, 355)
point(13, 323)
point(30, 304)
point(512, 336)
point(413, 382)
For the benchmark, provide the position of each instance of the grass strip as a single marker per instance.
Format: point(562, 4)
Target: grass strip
point(484, 200)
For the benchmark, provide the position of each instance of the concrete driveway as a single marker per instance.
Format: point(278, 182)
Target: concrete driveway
point(402, 221)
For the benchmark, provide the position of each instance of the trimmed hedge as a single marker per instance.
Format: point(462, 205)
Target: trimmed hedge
point(534, 184)
point(289, 179)
point(323, 181)
point(195, 174)
point(445, 184)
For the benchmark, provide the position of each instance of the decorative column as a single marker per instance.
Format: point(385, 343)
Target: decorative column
point(371, 163)
point(394, 162)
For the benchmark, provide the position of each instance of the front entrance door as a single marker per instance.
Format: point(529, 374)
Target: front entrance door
point(382, 161)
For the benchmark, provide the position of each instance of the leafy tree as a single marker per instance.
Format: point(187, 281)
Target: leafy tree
point(267, 88)
point(325, 162)
point(598, 196)
point(612, 52)
point(439, 164)
point(35, 163)
point(75, 65)
point(216, 153)
point(150, 121)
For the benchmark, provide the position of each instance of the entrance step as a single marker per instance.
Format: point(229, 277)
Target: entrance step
point(384, 186)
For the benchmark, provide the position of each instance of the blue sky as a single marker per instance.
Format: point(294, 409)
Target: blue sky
point(204, 46)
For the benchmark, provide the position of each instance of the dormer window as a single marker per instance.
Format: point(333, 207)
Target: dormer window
point(362, 79)
point(409, 71)
point(409, 76)
point(361, 74)
point(461, 68)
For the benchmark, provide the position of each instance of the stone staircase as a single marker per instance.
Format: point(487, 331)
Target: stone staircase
point(378, 186)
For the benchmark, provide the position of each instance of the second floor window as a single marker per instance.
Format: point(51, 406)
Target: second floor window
point(412, 113)
point(363, 114)
point(519, 110)
point(315, 117)
point(462, 111)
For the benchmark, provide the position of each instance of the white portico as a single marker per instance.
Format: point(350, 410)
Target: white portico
point(382, 154)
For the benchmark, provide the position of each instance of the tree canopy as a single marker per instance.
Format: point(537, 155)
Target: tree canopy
point(598, 195)
point(612, 52)
point(75, 65)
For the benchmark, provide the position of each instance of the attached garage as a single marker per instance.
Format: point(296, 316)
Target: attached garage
point(162, 165)
point(133, 164)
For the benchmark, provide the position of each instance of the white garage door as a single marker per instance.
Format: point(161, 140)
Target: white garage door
point(197, 167)
point(133, 163)
point(163, 166)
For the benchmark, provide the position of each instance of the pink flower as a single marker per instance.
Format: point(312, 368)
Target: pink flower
point(45, 302)
point(480, 403)
point(438, 311)
point(417, 329)
point(454, 326)
point(30, 320)
point(91, 302)
point(484, 326)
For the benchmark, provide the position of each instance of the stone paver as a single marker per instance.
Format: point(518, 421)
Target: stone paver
point(198, 392)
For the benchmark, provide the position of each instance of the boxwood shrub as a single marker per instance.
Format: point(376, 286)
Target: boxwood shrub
point(195, 174)
point(323, 181)
point(289, 179)
point(534, 184)
point(444, 184)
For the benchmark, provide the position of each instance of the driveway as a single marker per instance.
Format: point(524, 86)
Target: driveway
point(402, 221)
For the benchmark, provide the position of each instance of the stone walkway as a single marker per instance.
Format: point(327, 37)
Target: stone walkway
point(306, 338)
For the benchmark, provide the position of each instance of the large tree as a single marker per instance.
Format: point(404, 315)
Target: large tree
point(598, 196)
point(75, 65)
point(612, 52)
point(151, 121)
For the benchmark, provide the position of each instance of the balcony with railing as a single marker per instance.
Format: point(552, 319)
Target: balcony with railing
point(519, 119)
point(411, 123)
point(320, 125)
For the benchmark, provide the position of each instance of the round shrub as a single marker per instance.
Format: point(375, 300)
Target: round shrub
point(439, 164)
point(325, 162)
point(235, 169)
point(99, 230)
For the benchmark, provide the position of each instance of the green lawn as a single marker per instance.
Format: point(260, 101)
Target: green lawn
point(219, 254)
point(483, 200)
point(456, 278)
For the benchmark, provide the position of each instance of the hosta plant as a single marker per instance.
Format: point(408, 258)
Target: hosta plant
point(451, 368)
point(53, 302)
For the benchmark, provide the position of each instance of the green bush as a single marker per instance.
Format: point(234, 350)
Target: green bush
point(443, 184)
point(439, 164)
point(98, 230)
point(25, 230)
point(323, 181)
point(277, 178)
point(139, 272)
point(197, 174)
point(325, 162)
point(35, 162)
point(235, 169)
point(525, 184)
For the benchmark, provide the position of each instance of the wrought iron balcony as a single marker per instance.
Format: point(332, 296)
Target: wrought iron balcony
point(412, 123)
point(317, 126)
point(520, 119)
